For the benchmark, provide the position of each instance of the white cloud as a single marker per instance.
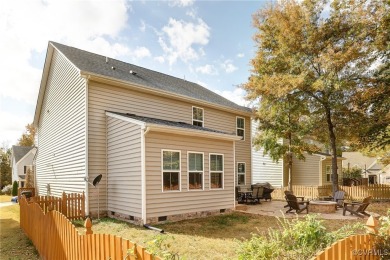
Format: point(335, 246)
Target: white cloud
point(141, 52)
point(142, 27)
point(14, 127)
point(181, 3)
point(240, 55)
point(159, 59)
point(207, 69)
point(228, 66)
point(178, 38)
point(236, 96)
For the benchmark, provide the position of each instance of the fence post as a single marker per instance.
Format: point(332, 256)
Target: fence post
point(63, 204)
point(88, 226)
point(372, 225)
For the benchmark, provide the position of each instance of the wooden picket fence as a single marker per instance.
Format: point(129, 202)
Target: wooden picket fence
point(55, 237)
point(71, 205)
point(377, 191)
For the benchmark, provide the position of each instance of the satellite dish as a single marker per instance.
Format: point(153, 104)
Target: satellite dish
point(97, 180)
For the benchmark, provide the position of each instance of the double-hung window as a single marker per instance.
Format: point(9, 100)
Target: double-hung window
point(240, 125)
point(195, 171)
point(241, 173)
point(328, 171)
point(197, 116)
point(216, 171)
point(171, 170)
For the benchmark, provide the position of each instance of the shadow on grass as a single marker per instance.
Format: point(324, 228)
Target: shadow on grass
point(14, 243)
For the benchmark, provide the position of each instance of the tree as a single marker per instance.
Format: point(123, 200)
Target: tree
point(283, 118)
point(5, 167)
point(28, 137)
point(15, 188)
point(327, 59)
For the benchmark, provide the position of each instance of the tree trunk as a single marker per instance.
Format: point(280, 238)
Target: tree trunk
point(332, 138)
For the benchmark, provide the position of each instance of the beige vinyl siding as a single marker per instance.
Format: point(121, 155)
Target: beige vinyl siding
point(168, 203)
point(264, 169)
point(328, 161)
point(103, 98)
point(306, 172)
point(243, 150)
point(124, 167)
point(61, 158)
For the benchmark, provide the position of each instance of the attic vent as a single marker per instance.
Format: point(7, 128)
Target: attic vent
point(133, 72)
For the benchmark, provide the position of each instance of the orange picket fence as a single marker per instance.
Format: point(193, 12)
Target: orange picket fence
point(71, 205)
point(55, 237)
point(377, 191)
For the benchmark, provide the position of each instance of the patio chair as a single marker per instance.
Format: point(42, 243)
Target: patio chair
point(339, 198)
point(255, 196)
point(296, 205)
point(357, 208)
point(286, 192)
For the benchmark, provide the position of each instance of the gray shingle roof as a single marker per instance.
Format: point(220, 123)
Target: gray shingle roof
point(169, 123)
point(20, 151)
point(96, 64)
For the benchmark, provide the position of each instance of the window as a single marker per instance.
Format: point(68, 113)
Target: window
point(197, 116)
point(216, 171)
point(241, 127)
point(241, 173)
point(328, 171)
point(27, 168)
point(195, 171)
point(171, 170)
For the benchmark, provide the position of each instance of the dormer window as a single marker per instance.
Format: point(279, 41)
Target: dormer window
point(240, 125)
point(197, 116)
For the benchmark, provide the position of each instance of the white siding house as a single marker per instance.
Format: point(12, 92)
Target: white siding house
point(21, 162)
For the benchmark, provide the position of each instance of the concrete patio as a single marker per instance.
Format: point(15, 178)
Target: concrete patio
point(276, 208)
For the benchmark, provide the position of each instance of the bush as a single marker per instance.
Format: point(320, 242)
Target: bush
point(15, 188)
point(297, 239)
point(382, 240)
point(7, 190)
point(353, 173)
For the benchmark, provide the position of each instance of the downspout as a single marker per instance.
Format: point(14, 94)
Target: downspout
point(86, 149)
point(322, 158)
point(234, 175)
point(144, 131)
point(35, 169)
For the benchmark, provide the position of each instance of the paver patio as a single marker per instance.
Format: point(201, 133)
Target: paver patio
point(276, 208)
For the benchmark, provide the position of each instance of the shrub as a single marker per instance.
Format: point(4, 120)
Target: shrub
point(297, 239)
point(7, 189)
point(382, 240)
point(160, 247)
point(15, 188)
point(353, 173)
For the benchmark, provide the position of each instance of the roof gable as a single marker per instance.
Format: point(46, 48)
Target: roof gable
point(91, 63)
point(19, 152)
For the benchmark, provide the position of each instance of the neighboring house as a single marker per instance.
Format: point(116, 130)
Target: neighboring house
point(315, 170)
point(372, 169)
point(21, 162)
point(167, 148)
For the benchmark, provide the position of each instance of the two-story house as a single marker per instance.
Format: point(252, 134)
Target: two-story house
point(167, 148)
point(22, 162)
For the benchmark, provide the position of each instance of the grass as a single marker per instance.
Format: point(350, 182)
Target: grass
point(13, 243)
point(5, 198)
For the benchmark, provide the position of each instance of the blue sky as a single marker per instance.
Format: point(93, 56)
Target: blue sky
point(207, 42)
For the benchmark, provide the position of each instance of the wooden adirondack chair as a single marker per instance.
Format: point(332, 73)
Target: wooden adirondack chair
point(357, 208)
point(296, 205)
point(286, 192)
point(339, 198)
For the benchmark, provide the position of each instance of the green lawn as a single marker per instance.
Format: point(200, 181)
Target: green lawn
point(5, 198)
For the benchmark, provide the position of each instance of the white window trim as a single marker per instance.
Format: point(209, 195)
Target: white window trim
point(326, 173)
point(162, 170)
point(241, 173)
point(188, 171)
point(192, 112)
point(243, 138)
point(223, 171)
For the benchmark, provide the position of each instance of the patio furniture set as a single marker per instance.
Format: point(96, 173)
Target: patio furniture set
point(326, 204)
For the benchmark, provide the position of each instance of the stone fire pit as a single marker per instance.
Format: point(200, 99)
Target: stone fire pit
point(322, 206)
